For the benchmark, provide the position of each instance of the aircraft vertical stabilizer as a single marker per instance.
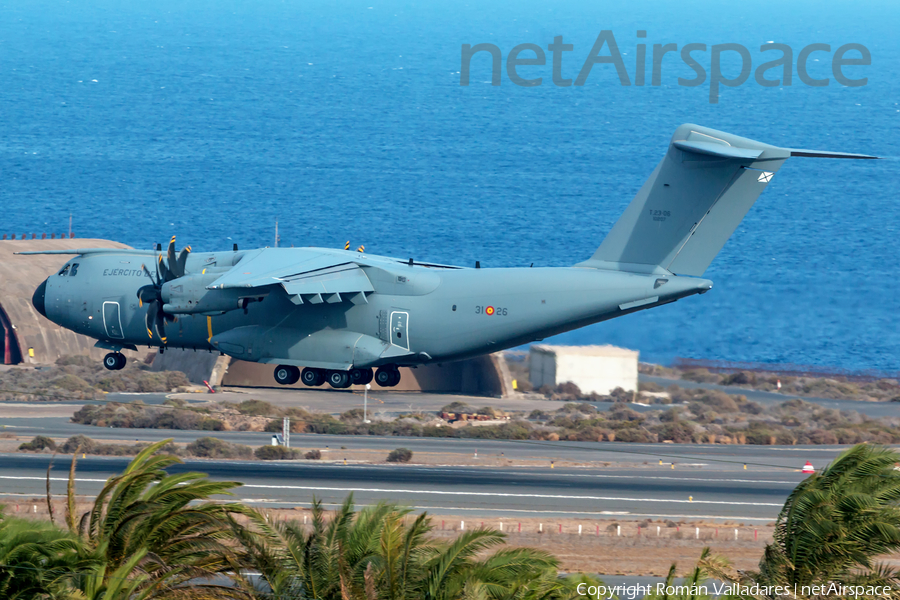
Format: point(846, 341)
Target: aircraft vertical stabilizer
point(693, 201)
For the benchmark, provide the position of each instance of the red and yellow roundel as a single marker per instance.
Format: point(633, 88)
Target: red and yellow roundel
point(489, 310)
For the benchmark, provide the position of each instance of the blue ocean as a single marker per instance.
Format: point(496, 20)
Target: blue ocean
point(346, 120)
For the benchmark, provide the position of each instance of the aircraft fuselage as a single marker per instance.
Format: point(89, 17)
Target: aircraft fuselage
point(416, 315)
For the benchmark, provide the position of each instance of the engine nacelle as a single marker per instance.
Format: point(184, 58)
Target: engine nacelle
point(188, 295)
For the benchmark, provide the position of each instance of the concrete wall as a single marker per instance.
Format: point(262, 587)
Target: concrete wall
point(19, 277)
point(594, 369)
point(199, 366)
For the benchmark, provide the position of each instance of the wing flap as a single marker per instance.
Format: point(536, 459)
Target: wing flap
point(335, 284)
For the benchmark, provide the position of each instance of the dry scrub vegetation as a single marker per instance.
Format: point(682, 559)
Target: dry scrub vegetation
point(689, 416)
point(880, 390)
point(82, 378)
point(710, 416)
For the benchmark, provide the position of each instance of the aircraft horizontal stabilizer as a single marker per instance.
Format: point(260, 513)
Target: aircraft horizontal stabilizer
point(827, 154)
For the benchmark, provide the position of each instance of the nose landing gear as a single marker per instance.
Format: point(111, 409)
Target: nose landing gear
point(115, 361)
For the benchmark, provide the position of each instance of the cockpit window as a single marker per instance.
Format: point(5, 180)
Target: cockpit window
point(64, 271)
point(74, 270)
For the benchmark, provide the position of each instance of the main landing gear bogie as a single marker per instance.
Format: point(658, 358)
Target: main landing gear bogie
point(361, 376)
point(312, 377)
point(287, 374)
point(387, 376)
point(115, 361)
point(339, 380)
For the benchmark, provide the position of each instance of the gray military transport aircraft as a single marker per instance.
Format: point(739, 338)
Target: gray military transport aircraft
point(340, 313)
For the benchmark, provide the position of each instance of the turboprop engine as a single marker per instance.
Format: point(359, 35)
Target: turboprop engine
point(188, 295)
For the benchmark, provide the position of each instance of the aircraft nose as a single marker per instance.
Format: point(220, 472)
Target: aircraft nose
point(38, 299)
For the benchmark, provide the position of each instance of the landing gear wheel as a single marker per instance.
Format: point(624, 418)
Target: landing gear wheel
point(339, 379)
point(312, 377)
point(114, 361)
point(387, 376)
point(286, 374)
point(361, 376)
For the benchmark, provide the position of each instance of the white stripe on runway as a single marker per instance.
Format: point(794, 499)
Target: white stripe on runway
point(500, 495)
point(442, 493)
point(51, 479)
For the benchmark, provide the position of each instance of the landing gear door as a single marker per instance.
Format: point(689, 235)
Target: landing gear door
point(112, 320)
point(399, 329)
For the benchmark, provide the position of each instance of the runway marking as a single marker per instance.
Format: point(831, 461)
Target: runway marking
point(52, 479)
point(500, 495)
point(442, 493)
point(681, 479)
point(602, 513)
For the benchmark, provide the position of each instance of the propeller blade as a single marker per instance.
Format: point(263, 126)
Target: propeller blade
point(182, 260)
point(173, 262)
point(161, 326)
point(152, 309)
point(147, 273)
point(163, 271)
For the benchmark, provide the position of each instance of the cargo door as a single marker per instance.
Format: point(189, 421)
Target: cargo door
point(112, 320)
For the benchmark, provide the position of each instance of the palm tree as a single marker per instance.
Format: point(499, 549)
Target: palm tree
point(690, 587)
point(158, 535)
point(374, 554)
point(38, 560)
point(834, 526)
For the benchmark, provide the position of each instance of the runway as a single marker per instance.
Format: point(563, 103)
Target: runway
point(710, 493)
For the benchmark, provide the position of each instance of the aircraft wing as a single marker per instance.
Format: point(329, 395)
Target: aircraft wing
point(310, 276)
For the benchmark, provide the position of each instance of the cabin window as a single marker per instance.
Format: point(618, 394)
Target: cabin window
point(64, 271)
point(74, 270)
point(454, 308)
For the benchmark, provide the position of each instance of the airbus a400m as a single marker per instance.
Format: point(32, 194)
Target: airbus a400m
point(339, 314)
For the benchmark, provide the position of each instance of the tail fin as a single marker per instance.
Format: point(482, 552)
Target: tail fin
point(692, 203)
